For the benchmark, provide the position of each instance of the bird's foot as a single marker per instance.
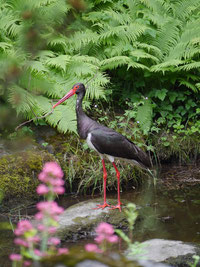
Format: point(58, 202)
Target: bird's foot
point(99, 206)
point(118, 206)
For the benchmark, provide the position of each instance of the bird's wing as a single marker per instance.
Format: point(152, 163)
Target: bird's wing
point(107, 141)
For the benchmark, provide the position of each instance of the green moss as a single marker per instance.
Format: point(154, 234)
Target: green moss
point(19, 171)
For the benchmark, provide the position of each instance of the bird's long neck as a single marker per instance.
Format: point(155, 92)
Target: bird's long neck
point(83, 121)
point(79, 109)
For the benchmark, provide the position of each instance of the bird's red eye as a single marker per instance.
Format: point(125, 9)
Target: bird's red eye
point(76, 87)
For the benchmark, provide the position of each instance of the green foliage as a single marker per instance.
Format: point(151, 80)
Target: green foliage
point(39, 63)
point(134, 248)
point(147, 48)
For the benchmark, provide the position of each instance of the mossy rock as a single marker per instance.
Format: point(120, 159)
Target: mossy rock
point(19, 171)
point(80, 220)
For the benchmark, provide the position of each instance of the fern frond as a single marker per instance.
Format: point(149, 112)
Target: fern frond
point(188, 85)
point(21, 99)
point(144, 116)
point(96, 86)
point(190, 66)
point(4, 46)
point(59, 62)
point(114, 62)
point(186, 42)
point(150, 48)
point(134, 30)
point(57, 40)
point(167, 36)
point(81, 39)
point(64, 118)
point(165, 65)
point(43, 104)
point(138, 53)
point(86, 59)
point(9, 23)
point(183, 8)
point(37, 66)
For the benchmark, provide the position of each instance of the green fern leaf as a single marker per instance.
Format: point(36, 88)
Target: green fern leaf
point(59, 62)
point(144, 116)
point(189, 85)
point(64, 118)
point(37, 66)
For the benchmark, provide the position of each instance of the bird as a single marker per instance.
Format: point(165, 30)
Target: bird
point(105, 141)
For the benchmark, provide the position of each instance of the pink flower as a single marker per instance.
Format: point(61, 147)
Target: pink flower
point(33, 239)
point(42, 189)
point(99, 239)
point(43, 177)
point(59, 190)
point(41, 227)
point(39, 216)
point(54, 241)
point(22, 227)
point(56, 182)
point(105, 231)
point(20, 242)
point(27, 263)
point(38, 252)
point(15, 257)
point(50, 207)
point(52, 229)
point(105, 228)
point(62, 251)
point(92, 248)
point(112, 239)
point(53, 168)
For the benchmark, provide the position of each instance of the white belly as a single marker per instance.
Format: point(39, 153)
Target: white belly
point(88, 140)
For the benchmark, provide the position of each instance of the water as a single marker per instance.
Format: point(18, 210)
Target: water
point(167, 214)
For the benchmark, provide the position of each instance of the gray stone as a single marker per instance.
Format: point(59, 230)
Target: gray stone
point(175, 253)
point(80, 220)
point(160, 250)
point(90, 263)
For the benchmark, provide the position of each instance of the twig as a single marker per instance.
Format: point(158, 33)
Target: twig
point(42, 117)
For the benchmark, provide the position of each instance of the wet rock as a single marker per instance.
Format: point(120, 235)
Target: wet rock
point(174, 253)
point(80, 220)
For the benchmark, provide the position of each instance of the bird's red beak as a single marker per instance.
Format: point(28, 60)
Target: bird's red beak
point(68, 95)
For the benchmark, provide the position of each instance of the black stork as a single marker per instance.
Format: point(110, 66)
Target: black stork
point(105, 141)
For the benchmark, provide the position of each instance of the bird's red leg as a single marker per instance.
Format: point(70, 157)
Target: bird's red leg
point(118, 188)
point(104, 187)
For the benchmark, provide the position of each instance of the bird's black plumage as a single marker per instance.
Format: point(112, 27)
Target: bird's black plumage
point(105, 140)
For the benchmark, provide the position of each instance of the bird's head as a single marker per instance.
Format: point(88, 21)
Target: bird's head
point(76, 89)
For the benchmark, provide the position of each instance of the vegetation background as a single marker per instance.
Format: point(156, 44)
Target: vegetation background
point(140, 60)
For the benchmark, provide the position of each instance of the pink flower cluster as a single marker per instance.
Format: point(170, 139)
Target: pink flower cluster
point(39, 241)
point(26, 238)
point(51, 176)
point(48, 209)
point(105, 234)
